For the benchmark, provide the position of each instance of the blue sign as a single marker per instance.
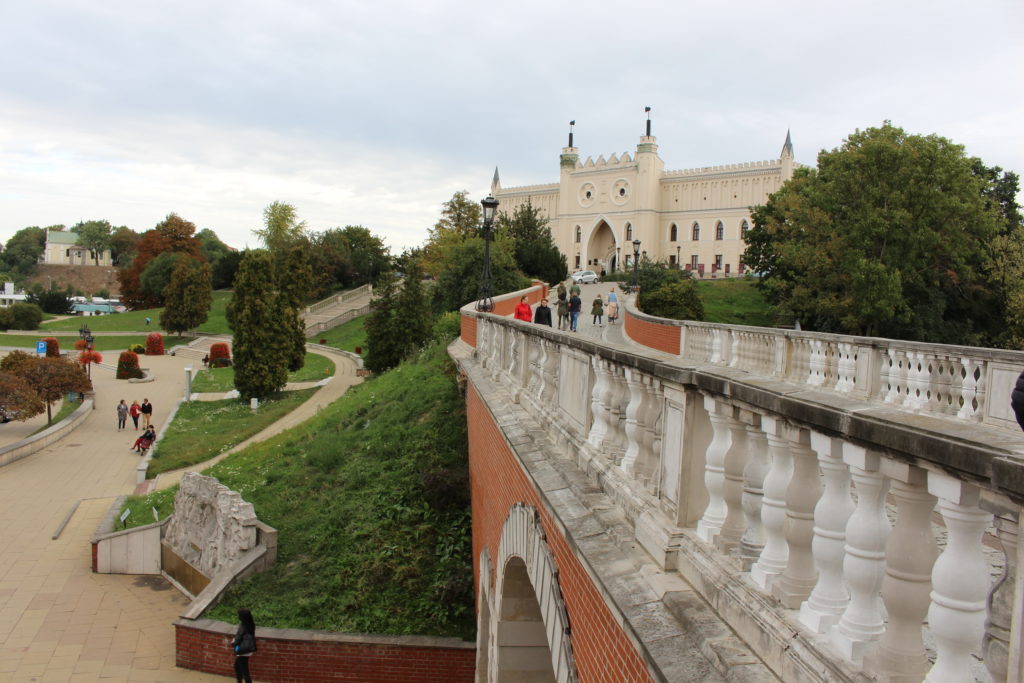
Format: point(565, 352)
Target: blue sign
point(41, 348)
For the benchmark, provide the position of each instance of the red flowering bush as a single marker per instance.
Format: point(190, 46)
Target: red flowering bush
point(220, 355)
point(52, 347)
point(155, 344)
point(128, 366)
point(86, 357)
point(81, 345)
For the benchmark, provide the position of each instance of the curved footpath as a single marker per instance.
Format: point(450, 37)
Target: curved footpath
point(58, 620)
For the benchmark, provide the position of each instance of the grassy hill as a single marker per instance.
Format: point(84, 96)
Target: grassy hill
point(371, 502)
point(135, 321)
point(734, 301)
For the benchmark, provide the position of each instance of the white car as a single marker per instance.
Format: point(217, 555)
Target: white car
point(585, 277)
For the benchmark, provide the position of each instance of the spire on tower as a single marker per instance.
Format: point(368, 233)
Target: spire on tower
point(647, 110)
point(495, 182)
point(787, 147)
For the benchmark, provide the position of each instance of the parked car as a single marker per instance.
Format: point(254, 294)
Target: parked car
point(585, 277)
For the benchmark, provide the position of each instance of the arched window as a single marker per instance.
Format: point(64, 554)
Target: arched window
point(719, 231)
point(579, 235)
point(673, 233)
point(744, 228)
point(696, 232)
point(629, 232)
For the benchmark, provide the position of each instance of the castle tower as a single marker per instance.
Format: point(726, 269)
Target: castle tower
point(646, 198)
point(787, 158)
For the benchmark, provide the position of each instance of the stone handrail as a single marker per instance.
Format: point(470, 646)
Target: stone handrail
point(339, 298)
point(764, 467)
point(324, 325)
point(969, 383)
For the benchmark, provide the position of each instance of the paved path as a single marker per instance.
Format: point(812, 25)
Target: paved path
point(58, 620)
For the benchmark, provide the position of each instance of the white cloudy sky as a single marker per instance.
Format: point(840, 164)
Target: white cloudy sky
point(374, 113)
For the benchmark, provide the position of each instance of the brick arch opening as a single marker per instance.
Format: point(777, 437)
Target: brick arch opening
point(523, 652)
point(601, 248)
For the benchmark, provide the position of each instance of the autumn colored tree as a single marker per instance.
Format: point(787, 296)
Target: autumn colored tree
point(128, 366)
point(154, 344)
point(52, 378)
point(52, 347)
point(18, 400)
point(173, 234)
point(188, 296)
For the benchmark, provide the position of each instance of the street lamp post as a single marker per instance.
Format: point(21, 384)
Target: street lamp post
point(636, 265)
point(490, 207)
point(679, 266)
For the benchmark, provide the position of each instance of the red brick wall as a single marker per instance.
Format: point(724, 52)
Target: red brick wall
point(601, 649)
point(282, 660)
point(468, 329)
point(654, 335)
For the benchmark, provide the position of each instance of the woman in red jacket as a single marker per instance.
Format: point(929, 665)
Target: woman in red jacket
point(523, 311)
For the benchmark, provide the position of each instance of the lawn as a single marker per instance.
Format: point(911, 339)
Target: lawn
point(316, 368)
point(66, 408)
point(204, 429)
point(370, 499)
point(734, 301)
point(346, 336)
point(101, 343)
point(135, 321)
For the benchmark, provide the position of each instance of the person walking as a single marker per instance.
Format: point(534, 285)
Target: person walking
point(244, 645)
point(542, 316)
point(597, 310)
point(135, 411)
point(563, 312)
point(561, 291)
point(612, 311)
point(122, 415)
point(575, 306)
point(147, 412)
point(523, 310)
point(575, 289)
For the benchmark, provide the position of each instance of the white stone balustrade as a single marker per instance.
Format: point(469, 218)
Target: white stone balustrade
point(797, 511)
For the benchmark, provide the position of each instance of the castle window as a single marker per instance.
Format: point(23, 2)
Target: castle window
point(696, 232)
point(673, 233)
point(719, 231)
point(577, 261)
point(744, 228)
point(629, 232)
point(694, 261)
point(579, 235)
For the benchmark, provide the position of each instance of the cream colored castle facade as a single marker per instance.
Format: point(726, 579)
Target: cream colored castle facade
point(696, 218)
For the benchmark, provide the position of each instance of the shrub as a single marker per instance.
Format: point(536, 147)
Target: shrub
point(128, 366)
point(219, 351)
point(154, 344)
point(137, 348)
point(675, 300)
point(6, 319)
point(81, 345)
point(52, 347)
point(25, 316)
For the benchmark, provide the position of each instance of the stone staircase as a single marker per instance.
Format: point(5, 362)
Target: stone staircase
point(337, 309)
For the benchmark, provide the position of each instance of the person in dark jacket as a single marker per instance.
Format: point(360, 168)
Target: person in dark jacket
point(575, 306)
point(542, 316)
point(1017, 400)
point(244, 645)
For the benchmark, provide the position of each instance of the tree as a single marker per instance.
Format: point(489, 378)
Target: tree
point(414, 309)
point(53, 301)
point(23, 249)
point(535, 250)
point(157, 275)
point(51, 378)
point(261, 352)
point(293, 288)
point(459, 283)
point(173, 234)
point(384, 331)
point(891, 235)
point(281, 227)
point(677, 300)
point(460, 220)
point(225, 268)
point(52, 347)
point(18, 400)
point(124, 243)
point(25, 316)
point(94, 236)
point(188, 296)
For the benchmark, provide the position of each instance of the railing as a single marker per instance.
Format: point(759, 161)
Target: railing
point(934, 379)
point(340, 298)
point(837, 534)
point(322, 326)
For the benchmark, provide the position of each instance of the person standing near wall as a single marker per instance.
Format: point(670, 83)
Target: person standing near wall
point(135, 411)
point(147, 412)
point(122, 415)
point(542, 316)
point(523, 310)
point(575, 306)
point(563, 311)
point(244, 645)
point(597, 310)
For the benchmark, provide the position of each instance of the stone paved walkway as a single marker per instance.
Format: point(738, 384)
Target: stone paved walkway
point(58, 620)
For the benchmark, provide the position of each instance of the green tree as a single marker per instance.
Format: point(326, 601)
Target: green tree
point(460, 220)
point(22, 251)
point(157, 275)
point(889, 236)
point(261, 350)
point(188, 296)
point(414, 309)
point(225, 269)
point(535, 250)
point(459, 282)
point(124, 243)
point(384, 332)
point(677, 300)
point(293, 290)
point(54, 301)
point(25, 316)
point(94, 236)
point(281, 227)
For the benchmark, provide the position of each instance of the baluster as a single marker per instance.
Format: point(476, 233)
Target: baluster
point(716, 511)
point(802, 494)
point(864, 565)
point(599, 425)
point(483, 345)
point(541, 364)
point(998, 627)
point(735, 351)
point(753, 493)
point(940, 385)
point(550, 398)
point(816, 376)
point(775, 554)
point(844, 368)
point(633, 428)
point(615, 440)
point(915, 385)
point(960, 580)
point(532, 376)
point(735, 461)
point(910, 554)
point(892, 378)
point(832, 513)
point(716, 346)
point(972, 383)
point(656, 419)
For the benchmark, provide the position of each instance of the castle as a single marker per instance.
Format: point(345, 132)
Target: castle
point(694, 219)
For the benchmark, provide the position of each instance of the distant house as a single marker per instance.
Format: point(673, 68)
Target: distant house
point(8, 297)
point(62, 249)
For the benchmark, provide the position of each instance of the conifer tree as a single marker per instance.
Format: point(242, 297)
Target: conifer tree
point(414, 309)
point(293, 285)
point(261, 348)
point(384, 333)
point(188, 296)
